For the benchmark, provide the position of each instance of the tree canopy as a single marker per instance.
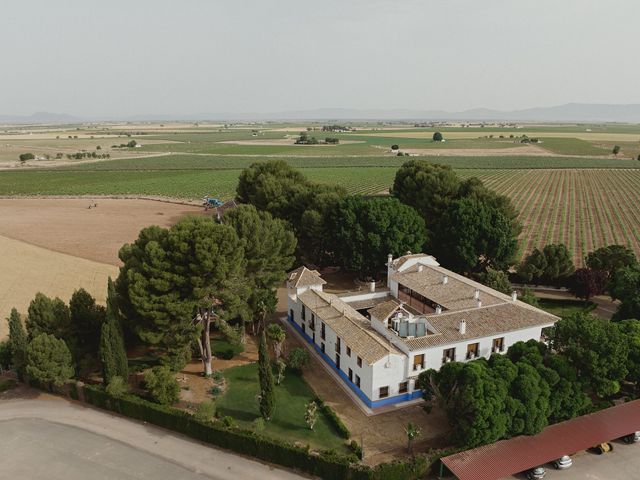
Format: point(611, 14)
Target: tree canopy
point(86, 322)
point(365, 231)
point(49, 360)
point(17, 343)
point(586, 283)
point(47, 315)
point(552, 265)
point(611, 258)
point(595, 349)
point(269, 249)
point(169, 274)
point(469, 227)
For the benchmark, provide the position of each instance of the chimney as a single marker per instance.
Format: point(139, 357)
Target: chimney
point(445, 279)
point(514, 296)
point(476, 294)
point(479, 303)
point(389, 260)
point(438, 309)
point(372, 287)
point(420, 268)
point(462, 327)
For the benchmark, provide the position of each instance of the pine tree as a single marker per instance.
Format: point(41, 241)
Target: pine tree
point(112, 351)
point(49, 360)
point(267, 392)
point(18, 343)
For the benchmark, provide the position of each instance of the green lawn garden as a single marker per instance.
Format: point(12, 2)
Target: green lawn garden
point(292, 395)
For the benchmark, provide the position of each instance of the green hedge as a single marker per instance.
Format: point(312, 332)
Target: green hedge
point(335, 420)
point(241, 441)
point(328, 466)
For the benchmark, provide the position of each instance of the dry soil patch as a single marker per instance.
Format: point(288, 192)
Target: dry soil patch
point(27, 269)
point(69, 226)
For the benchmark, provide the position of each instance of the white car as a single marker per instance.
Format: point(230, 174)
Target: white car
point(563, 462)
point(537, 473)
point(632, 438)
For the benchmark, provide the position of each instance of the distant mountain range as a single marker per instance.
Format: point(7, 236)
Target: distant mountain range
point(570, 112)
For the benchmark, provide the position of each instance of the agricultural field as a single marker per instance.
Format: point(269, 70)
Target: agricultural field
point(570, 187)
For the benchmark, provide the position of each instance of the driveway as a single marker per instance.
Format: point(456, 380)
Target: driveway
point(60, 440)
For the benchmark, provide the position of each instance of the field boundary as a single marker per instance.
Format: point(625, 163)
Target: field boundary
point(151, 198)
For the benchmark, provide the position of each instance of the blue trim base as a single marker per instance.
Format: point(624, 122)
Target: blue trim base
point(405, 397)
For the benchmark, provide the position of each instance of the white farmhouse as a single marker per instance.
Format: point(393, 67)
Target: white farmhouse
point(380, 341)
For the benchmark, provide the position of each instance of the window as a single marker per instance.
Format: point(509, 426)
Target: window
point(403, 387)
point(314, 337)
point(293, 318)
point(359, 362)
point(338, 345)
point(358, 381)
point(322, 331)
point(348, 351)
point(312, 324)
point(384, 392)
point(350, 375)
point(304, 313)
point(322, 347)
point(418, 362)
point(472, 350)
point(448, 355)
point(498, 345)
point(338, 361)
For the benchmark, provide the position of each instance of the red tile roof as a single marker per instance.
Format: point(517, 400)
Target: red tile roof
point(507, 457)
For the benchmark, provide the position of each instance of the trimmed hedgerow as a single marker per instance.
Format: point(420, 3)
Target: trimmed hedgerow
point(337, 423)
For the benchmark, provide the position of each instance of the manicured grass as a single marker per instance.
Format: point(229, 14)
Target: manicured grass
point(567, 307)
point(240, 402)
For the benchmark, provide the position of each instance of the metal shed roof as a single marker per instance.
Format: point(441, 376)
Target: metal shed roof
point(507, 457)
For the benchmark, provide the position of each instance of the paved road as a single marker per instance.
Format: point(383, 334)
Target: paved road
point(59, 440)
point(623, 463)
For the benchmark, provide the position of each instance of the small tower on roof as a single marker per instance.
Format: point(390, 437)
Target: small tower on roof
point(302, 279)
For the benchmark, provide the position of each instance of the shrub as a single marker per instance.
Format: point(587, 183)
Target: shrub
point(7, 384)
point(206, 411)
point(229, 422)
point(5, 355)
point(162, 385)
point(217, 376)
point(215, 390)
point(226, 354)
point(258, 425)
point(117, 387)
point(356, 449)
point(437, 137)
point(49, 360)
point(297, 359)
point(338, 424)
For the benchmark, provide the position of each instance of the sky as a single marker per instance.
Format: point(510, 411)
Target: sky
point(135, 57)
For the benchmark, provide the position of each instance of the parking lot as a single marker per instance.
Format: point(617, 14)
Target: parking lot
point(623, 463)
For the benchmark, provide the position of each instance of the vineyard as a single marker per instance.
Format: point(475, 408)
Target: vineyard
point(585, 209)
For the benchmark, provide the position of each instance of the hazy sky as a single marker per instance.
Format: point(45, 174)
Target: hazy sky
point(119, 58)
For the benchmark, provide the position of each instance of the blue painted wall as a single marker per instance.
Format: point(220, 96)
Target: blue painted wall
point(370, 403)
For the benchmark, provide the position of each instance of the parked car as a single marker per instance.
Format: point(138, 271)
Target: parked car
point(563, 462)
point(605, 447)
point(537, 473)
point(632, 438)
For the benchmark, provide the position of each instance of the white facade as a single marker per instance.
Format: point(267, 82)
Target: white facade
point(390, 374)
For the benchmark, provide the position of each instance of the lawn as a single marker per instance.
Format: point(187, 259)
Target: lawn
point(563, 308)
point(288, 424)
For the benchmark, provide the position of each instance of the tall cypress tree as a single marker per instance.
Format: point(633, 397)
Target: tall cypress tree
point(265, 373)
point(112, 351)
point(18, 343)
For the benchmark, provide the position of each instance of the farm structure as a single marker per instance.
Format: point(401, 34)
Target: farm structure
point(379, 341)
